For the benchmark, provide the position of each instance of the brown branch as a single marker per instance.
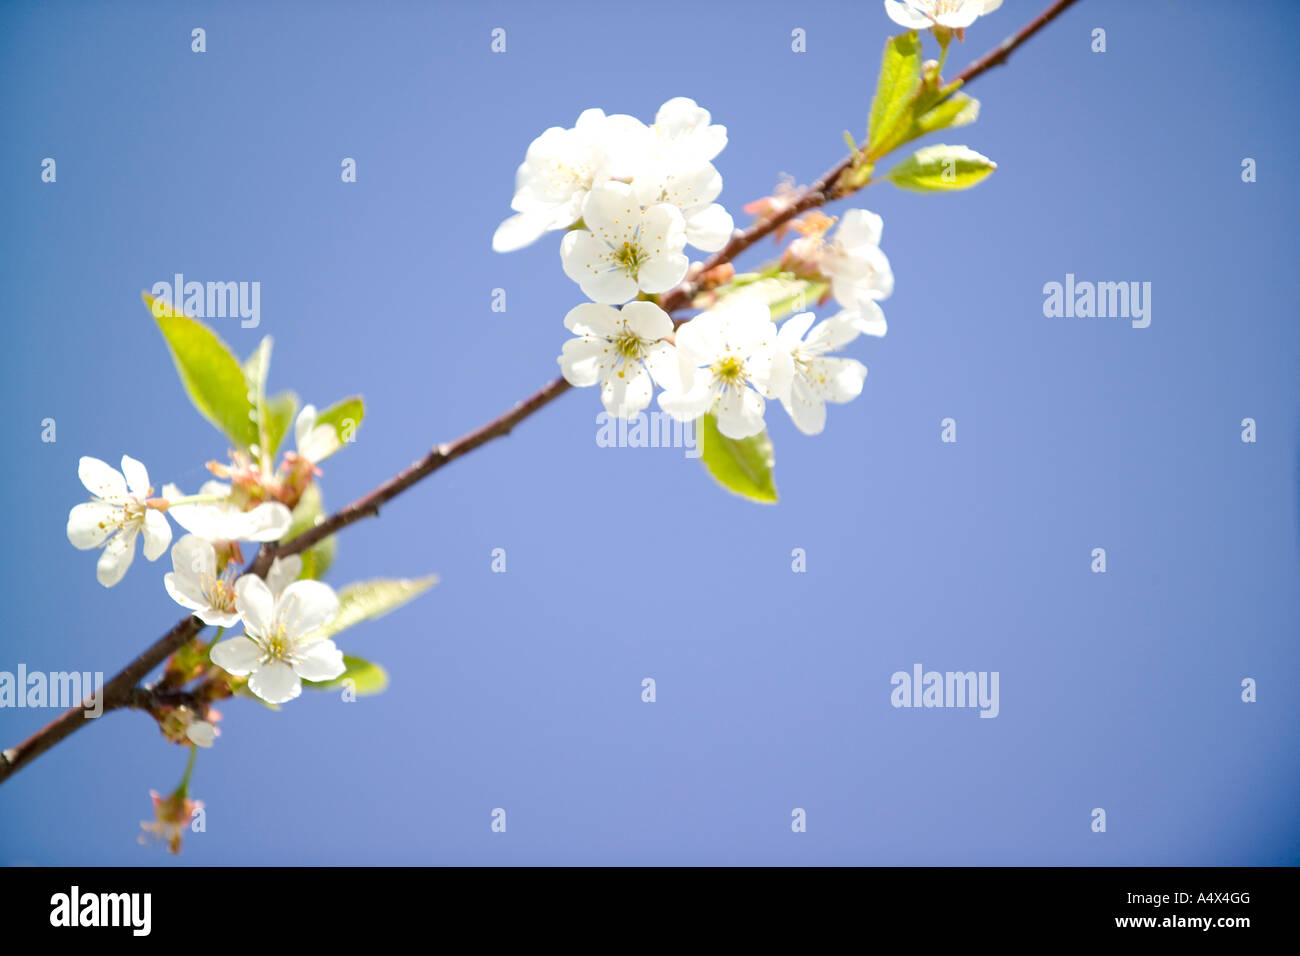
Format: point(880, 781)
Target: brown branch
point(121, 690)
point(823, 190)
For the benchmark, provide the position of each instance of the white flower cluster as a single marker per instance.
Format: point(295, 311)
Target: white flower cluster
point(632, 197)
point(278, 649)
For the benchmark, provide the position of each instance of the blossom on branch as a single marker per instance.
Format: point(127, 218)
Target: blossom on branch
point(120, 511)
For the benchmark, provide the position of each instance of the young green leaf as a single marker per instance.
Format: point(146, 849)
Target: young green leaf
point(957, 110)
point(741, 466)
point(279, 413)
point(345, 416)
point(897, 86)
point(367, 678)
point(212, 376)
point(367, 600)
point(941, 169)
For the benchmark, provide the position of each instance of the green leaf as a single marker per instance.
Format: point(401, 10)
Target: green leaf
point(212, 376)
point(900, 73)
point(367, 600)
point(345, 416)
point(941, 169)
point(743, 467)
point(957, 110)
point(309, 512)
point(280, 411)
point(366, 678)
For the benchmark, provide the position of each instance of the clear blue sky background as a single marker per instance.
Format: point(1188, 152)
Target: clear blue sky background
point(522, 690)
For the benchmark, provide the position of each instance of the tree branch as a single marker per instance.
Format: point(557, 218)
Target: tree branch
point(121, 691)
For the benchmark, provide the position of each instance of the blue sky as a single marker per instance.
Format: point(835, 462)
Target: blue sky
point(522, 690)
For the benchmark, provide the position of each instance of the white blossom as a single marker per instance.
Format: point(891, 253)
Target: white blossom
point(195, 583)
point(624, 352)
point(118, 513)
point(854, 262)
point(729, 363)
point(625, 247)
point(560, 168)
point(818, 377)
point(223, 520)
point(277, 651)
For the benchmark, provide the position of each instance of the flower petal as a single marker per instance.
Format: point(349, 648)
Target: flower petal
point(283, 572)
point(322, 661)
point(237, 655)
point(157, 534)
point(116, 557)
point(269, 521)
point(305, 606)
point(581, 360)
point(101, 479)
point(647, 320)
point(90, 523)
point(255, 604)
point(275, 682)
point(137, 478)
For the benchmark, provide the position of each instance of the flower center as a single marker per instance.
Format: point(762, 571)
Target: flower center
point(220, 593)
point(629, 345)
point(629, 256)
point(729, 371)
point(277, 644)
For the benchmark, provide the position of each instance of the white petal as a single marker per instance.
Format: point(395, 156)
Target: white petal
point(905, 16)
point(518, 231)
point(794, 329)
point(866, 317)
point(859, 227)
point(237, 655)
point(255, 604)
point(137, 478)
point(709, 228)
point(627, 391)
point(647, 320)
point(841, 379)
point(303, 425)
point(662, 363)
point(116, 557)
point(101, 479)
point(283, 572)
point(275, 682)
point(611, 213)
point(157, 534)
point(661, 273)
point(90, 523)
point(305, 606)
point(321, 661)
point(689, 405)
point(592, 319)
point(202, 733)
point(806, 409)
point(581, 360)
point(612, 286)
point(740, 413)
point(269, 521)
